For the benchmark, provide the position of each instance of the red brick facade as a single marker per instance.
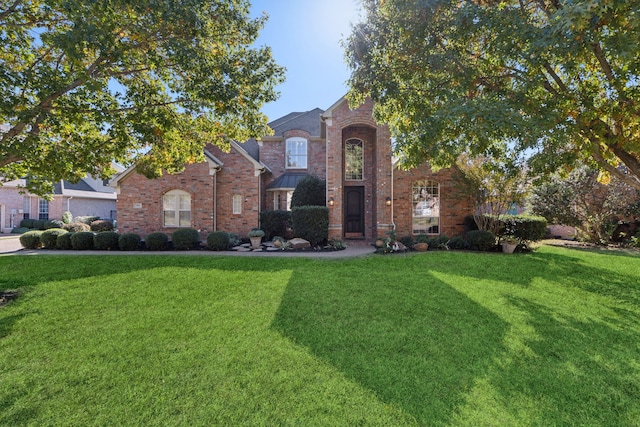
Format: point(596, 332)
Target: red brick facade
point(361, 208)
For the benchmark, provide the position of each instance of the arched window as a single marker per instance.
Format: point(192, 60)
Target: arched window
point(426, 207)
point(353, 159)
point(296, 153)
point(176, 207)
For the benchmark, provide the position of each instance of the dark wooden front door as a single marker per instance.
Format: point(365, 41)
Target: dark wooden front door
point(354, 210)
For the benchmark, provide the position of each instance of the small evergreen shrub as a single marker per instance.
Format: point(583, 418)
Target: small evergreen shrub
point(82, 241)
point(76, 227)
point(275, 223)
point(31, 239)
point(129, 242)
point(19, 230)
point(407, 241)
point(422, 238)
point(26, 223)
point(67, 217)
point(458, 242)
point(481, 240)
point(101, 225)
point(53, 223)
point(64, 241)
point(86, 219)
point(106, 241)
point(524, 227)
point(310, 191)
point(157, 241)
point(38, 224)
point(185, 238)
point(218, 241)
point(49, 237)
point(234, 240)
point(311, 223)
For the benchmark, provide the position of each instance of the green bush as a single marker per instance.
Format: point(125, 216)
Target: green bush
point(275, 223)
point(106, 241)
point(129, 242)
point(27, 223)
point(422, 238)
point(19, 230)
point(101, 225)
point(408, 241)
point(38, 224)
point(234, 240)
point(481, 240)
point(185, 238)
point(31, 239)
point(53, 223)
point(311, 223)
point(157, 241)
point(76, 227)
point(458, 242)
point(310, 191)
point(86, 219)
point(49, 237)
point(218, 241)
point(82, 241)
point(64, 241)
point(524, 227)
point(67, 217)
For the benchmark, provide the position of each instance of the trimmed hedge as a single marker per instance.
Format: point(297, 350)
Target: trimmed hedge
point(275, 223)
point(53, 223)
point(524, 227)
point(185, 238)
point(82, 241)
point(27, 223)
point(218, 241)
point(38, 224)
point(157, 241)
point(311, 223)
point(76, 227)
point(310, 191)
point(101, 225)
point(49, 237)
point(481, 240)
point(86, 219)
point(106, 241)
point(64, 241)
point(129, 242)
point(31, 239)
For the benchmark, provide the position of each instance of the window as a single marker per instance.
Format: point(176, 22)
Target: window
point(296, 153)
point(426, 207)
point(353, 159)
point(43, 209)
point(176, 206)
point(237, 204)
point(26, 207)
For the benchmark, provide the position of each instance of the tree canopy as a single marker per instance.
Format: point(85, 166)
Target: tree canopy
point(556, 80)
point(85, 83)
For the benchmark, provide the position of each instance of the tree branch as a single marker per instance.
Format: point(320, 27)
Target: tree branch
point(10, 10)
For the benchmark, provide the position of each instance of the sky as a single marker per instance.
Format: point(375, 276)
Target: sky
point(305, 36)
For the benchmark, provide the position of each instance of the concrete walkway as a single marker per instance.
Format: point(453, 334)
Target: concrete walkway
point(10, 245)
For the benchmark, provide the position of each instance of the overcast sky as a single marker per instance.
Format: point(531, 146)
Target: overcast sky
point(305, 38)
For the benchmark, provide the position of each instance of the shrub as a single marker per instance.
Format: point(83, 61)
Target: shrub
point(82, 241)
point(218, 241)
point(275, 223)
point(67, 217)
point(86, 219)
point(481, 240)
point(76, 227)
point(31, 239)
point(129, 242)
point(53, 223)
point(422, 238)
point(49, 237)
point(101, 225)
point(185, 238)
point(458, 242)
point(64, 241)
point(311, 223)
point(407, 241)
point(524, 227)
point(19, 230)
point(27, 223)
point(38, 224)
point(157, 241)
point(106, 241)
point(256, 232)
point(234, 240)
point(310, 191)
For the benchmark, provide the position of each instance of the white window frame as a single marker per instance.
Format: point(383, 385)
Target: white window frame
point(43, 209)
point(296, 153)
point(351, 156)
point(236, 204)
point(26, 207)
point(425, 207)
point(176, 201)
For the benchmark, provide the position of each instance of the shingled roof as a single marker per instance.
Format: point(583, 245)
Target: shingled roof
point(308, 121)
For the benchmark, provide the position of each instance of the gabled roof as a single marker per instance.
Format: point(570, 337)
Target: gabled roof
point(286, 182)
point(308, 121)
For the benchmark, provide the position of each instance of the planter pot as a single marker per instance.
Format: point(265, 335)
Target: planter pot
point(421, 247)
point(509, 248)
point(256, 242)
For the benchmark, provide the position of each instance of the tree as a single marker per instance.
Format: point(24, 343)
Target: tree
point(558, 80)
point(310, 191)
point(85, 83)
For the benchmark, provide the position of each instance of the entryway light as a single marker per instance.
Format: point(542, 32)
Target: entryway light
point(331, 201)
point(388, 201)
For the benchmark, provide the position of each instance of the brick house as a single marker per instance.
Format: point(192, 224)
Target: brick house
point(367, 194)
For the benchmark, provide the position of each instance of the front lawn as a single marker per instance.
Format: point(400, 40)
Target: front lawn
point(438, 338)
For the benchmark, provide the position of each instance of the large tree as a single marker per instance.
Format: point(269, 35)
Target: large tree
point(557, 80)
point(84, 83)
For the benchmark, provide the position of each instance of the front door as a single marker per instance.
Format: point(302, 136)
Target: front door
point(354, 211)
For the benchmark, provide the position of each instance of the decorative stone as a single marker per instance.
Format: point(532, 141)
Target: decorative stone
point(421, 247)
point(299, 243)
point(398, 247)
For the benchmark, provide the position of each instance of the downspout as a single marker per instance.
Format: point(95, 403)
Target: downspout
point(215, 200)
point(393, 224)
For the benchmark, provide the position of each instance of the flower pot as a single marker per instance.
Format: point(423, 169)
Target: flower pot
point(256, 242)
point(509, 248)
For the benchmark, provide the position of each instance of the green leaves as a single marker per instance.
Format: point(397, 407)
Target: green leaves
point(88, 83)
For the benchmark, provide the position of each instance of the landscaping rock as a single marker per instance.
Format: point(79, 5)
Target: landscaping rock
point(421, 247)
point(299, 243)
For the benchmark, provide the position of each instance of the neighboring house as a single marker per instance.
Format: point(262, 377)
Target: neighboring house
point(87, 197)
point(367, 194)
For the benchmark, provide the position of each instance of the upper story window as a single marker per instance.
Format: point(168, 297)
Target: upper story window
point(353, 159)
point(296, 153)
point(176, 207)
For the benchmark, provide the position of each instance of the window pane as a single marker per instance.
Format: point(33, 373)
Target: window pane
point(185, 218)
point(169, 218)
point(297, 153)
point(237, 204)
point(169, 202)
point(426, 207)
point(353, 160)
point(185, 203)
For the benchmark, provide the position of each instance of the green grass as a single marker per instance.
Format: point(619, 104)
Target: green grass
point(439, 338)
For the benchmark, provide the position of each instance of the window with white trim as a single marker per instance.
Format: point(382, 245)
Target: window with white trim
point(237, 204)
point(43, 209)
point(353, 159)
point(426, 207)
point(26, 207)
point(176, 209)
point(296, 153)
